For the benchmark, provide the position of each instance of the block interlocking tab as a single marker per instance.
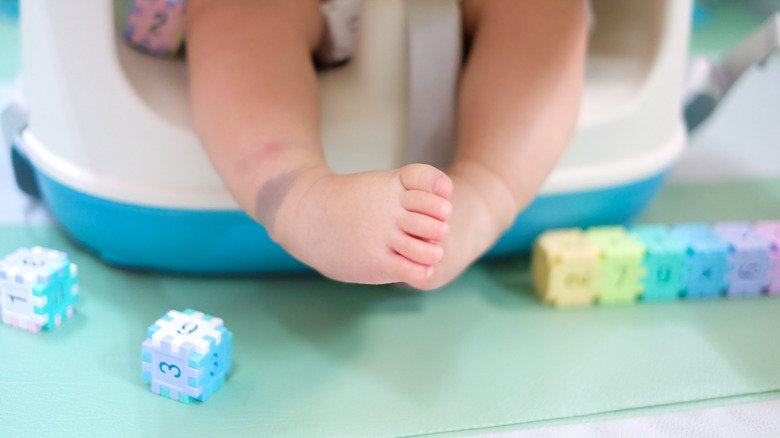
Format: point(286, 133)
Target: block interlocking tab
point(620, 267)
point(564, 267)
point(156, 26)
point(664, 262)
point(38, 288)
point(748, 256)
point(707, 260)
point(771, 231)
point(187, 355)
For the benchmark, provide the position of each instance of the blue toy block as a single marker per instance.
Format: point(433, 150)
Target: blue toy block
point(748, 255)
point(664, 261)
point(187, 355)
point(706, 258)
point(38, 288)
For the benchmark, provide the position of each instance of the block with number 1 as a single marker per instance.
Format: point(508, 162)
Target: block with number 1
point(38, 288)
point(187, 355)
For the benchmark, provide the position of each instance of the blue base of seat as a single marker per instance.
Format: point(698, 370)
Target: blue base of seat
point(210, 242)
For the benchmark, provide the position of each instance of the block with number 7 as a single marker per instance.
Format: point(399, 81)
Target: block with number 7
point(187, 355)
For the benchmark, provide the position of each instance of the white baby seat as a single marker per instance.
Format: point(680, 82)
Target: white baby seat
point(110, 142)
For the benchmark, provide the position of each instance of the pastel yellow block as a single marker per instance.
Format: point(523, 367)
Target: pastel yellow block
point(565, 268)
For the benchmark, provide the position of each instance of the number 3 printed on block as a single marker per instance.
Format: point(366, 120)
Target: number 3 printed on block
point(170, 368)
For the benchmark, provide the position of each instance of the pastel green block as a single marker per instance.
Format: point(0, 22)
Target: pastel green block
point(620, 267)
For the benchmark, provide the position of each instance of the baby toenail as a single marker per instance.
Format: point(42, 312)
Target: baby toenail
point(437, 185)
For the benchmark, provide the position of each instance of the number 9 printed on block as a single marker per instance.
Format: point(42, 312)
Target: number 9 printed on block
point(187, 355)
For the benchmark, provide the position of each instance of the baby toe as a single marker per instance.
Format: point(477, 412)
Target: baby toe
point(423, 227)
point(426, 203)
point(418, 251)
point(426, 178)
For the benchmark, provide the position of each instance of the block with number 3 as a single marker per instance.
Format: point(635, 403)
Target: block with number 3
point(156, 26)
point(187, 355)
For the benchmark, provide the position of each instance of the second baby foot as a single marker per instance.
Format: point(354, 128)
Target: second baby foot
point(370, 227)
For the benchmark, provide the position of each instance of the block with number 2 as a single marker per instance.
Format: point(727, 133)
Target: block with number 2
point(187, 355)
point(156, 26)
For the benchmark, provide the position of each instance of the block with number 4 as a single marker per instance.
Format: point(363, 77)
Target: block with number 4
point(187, 355)
point(707, 260)
point(565, 268)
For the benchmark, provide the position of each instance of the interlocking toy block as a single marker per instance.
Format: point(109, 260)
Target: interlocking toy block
point(564, 267)
point(664, 262)
point(707, 260)
point(38, 288)
point(771, 230)
point(187, 355)
point(620, 264)
point(156, 26)
point(749, 257)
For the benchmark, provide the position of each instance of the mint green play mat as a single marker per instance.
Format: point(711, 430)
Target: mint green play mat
point(318, 358)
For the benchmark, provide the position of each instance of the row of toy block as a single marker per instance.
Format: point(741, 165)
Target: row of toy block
point(612, 264)
point(38, 288)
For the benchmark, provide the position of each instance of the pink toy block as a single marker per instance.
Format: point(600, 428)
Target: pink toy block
point(771, 230)
point(156, 26)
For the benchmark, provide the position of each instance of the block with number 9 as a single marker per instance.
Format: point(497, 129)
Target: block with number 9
point(38, 288)
point(187, 355)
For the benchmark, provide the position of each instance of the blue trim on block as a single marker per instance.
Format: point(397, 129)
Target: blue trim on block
point(220, 242)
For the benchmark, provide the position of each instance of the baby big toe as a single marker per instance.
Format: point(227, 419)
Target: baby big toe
point(426, 178)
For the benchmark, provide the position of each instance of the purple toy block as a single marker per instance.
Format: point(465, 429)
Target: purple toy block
point(771, 230)
point(749, 256)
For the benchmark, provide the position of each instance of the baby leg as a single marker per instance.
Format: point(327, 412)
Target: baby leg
point(255, 105)
point(519, 99)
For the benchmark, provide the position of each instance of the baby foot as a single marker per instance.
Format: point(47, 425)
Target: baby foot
point(369, 227)
point(483, 207)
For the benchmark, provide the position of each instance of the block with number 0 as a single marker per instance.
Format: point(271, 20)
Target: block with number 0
point(38, 288)
point(156, 26)
point(187, 355)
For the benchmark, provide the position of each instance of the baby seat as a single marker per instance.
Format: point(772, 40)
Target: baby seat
point(107, 136)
